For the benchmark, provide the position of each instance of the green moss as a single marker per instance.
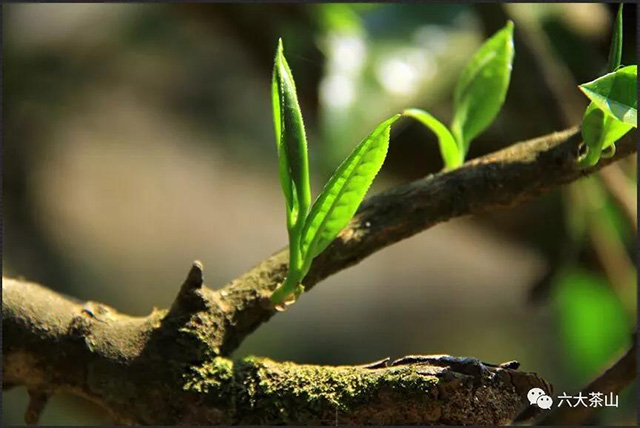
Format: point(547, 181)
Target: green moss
point(287, 391)
point(263, 391)
point(200, 337)
point(215, 376)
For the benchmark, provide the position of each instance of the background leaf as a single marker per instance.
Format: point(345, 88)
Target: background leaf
point(616, 94)
point(482, 87)
point(452, 154)
point(344, 191)
point(593, 323)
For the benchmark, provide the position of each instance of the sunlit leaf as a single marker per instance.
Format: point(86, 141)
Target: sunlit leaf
point(615, 51)
point(616, 94)
point(344, 191)
point(451, 153)
point(291, 140)
point(613, 131)
point(482, 87)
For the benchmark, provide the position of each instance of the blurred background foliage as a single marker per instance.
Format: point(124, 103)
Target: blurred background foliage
point(138, 137)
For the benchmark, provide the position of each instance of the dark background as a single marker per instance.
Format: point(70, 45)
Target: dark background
point(138, 138)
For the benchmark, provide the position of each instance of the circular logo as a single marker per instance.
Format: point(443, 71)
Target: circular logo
point(537, 397)
point(544, 402)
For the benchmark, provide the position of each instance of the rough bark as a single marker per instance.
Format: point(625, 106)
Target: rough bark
point(169, 367)
point(153, 370)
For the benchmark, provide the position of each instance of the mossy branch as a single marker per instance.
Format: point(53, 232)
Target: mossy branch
point(166, 368)
point(146, 370)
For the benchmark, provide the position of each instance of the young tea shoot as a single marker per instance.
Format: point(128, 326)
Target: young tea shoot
point(613, 110)
point(293, 164)
point(312, 230)
point(478, 97)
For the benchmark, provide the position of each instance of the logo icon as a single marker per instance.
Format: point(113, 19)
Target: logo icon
point(537, 397)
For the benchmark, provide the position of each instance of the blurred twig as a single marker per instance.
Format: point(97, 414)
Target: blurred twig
point(622, 192)
point(612, 255)
point(612, 380)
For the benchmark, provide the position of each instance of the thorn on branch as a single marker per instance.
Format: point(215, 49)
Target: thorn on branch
point(195, 277)
point(193, 282)
point(37, 402)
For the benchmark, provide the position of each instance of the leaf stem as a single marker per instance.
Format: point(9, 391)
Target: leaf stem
point(285, 289)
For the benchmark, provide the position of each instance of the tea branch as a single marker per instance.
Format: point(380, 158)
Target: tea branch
point(151, 370)
point(495, 181)
point(170, 367)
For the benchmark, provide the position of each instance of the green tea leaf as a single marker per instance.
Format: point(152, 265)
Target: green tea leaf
point(616, 94)
point(615, 51)
point(344, 191)
point(451, 153)
point(613, 131)
point(482, 87)
point(592, 131)
point(599, 131)
point(291, 141)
